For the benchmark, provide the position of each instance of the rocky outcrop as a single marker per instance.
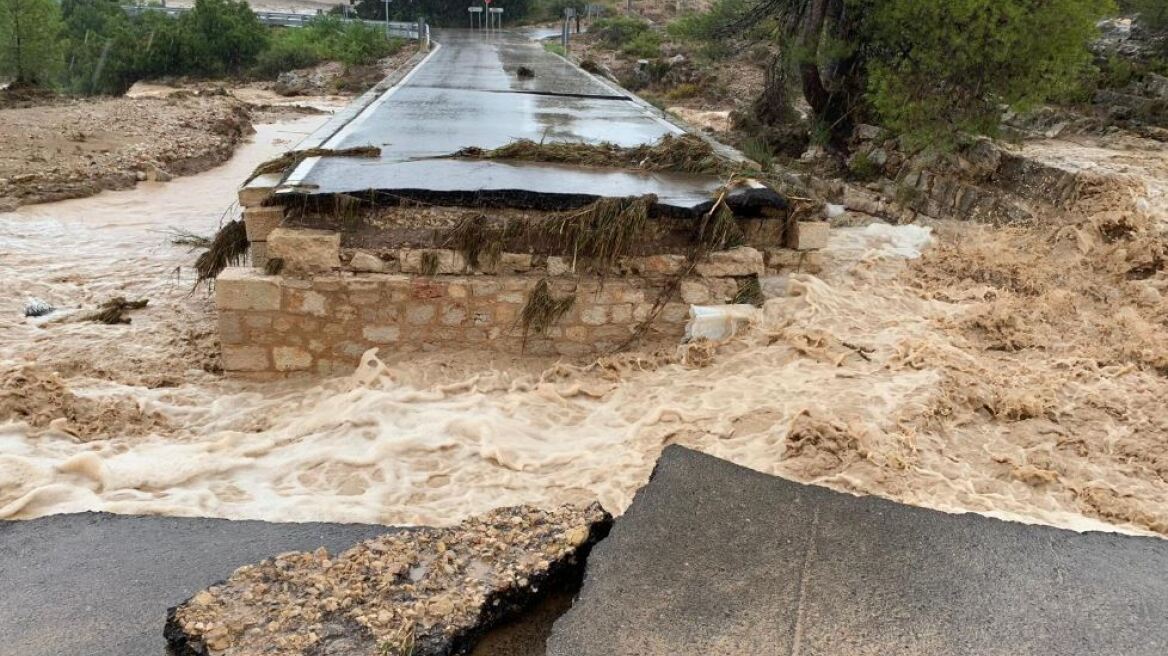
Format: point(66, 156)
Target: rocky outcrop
point(423, 592)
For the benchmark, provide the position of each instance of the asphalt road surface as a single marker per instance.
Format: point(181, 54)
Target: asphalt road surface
point(96, 584)
point(469, 92)
point(712, 558)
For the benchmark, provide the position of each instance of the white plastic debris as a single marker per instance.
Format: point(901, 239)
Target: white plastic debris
point(35, 307)
point(834, 211)
point(718, 322)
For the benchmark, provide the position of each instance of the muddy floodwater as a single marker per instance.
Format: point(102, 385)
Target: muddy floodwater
point(881, 375)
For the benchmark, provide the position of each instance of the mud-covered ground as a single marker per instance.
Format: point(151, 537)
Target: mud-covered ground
point(75, 148)
point(57, 147)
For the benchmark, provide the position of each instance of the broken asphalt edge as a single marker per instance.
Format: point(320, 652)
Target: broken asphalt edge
point(501, 606)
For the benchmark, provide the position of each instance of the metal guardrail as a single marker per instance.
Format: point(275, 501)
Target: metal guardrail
point(279, 19)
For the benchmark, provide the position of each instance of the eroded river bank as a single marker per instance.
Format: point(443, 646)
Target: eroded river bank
point(1010, 371)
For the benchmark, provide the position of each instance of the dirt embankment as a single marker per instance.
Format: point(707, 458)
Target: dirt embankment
point(57, 148)
point(75, 148)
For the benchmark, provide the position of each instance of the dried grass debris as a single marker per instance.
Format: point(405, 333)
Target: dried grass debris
point(542, 310)
point(685, 153)
point(113, 311)
point(291, 159)
point(228, 248)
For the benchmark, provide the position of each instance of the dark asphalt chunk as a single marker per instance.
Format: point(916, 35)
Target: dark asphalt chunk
point(96, 584)
point(716, 559)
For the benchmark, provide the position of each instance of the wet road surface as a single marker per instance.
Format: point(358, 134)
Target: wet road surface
point(96, 584)
point(713, 558)
point(469, 92)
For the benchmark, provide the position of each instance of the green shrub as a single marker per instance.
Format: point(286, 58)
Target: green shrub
point(220, 36)
point(286, 54)
point(759, 151)
point(617, 31)
point(325, 38)
point(646, 45)
point(683, 91)
point(31, 49)
point(963, 59)
point(863, 168)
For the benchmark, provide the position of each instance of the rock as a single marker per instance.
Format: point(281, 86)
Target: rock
point(809, 235)
point(293, 83)
point(442, 587)
point(742, 261)
point(155, 173)
point(1156, 86)
point(676, 59)
point(305, 251)
point(865, 132)
point(367, 262)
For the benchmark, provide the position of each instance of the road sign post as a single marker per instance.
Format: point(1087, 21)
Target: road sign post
point(476, 17)
point(497, 14)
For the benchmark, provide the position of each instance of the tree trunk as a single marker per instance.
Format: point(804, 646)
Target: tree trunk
point(773, 107)
point(813, 88)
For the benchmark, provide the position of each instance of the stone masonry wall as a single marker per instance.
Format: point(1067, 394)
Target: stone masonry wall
point(327, 306)
point(324, 323)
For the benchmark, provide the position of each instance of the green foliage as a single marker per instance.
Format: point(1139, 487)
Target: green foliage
point(1153, 14)
point(325, 38)
point(760, 151)
point(646, 45)
point(31, 51)
point(108, 50)
point(711, 25)
point(683, 91)
point(863, 168)
point(220, 36)
point(554, 9)
point(552, 46)
point(962, 59)
point(616, 31)
point(289, 50)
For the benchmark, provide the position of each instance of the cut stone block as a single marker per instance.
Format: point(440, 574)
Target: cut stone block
point(366, 263)
point(242, 288)
point(245, 358)
point(261, 221)
point(780, 260)
point(449, 262)
point(558, 266)
point(257, 191)
point(259, 254)
point(291, 358)
point(743, 261)
point(809, 235)
point(305, 251)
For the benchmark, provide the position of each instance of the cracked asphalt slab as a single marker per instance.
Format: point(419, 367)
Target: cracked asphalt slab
point(712, 558)
point(97, 584)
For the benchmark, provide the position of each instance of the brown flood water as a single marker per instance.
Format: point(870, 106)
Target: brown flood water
point(849, 379)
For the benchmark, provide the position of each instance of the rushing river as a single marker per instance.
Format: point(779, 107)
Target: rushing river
point(830, 387)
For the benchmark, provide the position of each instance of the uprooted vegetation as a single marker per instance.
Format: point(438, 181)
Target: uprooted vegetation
point(227, 248)
point(685, 153)
point(288, 161)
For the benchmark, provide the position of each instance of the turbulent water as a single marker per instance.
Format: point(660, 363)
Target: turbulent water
point(855, 379)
